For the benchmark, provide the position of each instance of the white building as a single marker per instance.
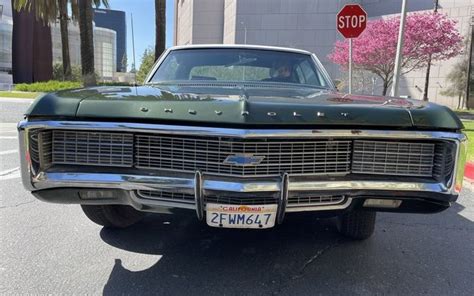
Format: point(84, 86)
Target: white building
point(6, 25)
point(310, 25)
point(104, 49)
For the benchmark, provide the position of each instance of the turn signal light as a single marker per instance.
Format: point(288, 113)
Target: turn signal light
point(96, 194)
point(382, 203)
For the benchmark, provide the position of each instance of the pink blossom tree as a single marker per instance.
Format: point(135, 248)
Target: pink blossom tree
point(426, 34)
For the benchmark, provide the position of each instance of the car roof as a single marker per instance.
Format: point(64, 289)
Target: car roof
point(240, 46)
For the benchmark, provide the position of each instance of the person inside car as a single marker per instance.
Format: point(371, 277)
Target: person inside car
point(281, 72)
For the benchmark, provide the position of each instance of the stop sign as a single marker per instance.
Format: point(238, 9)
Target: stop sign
point(351, 20)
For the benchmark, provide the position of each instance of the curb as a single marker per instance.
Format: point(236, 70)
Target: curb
point(469, 172)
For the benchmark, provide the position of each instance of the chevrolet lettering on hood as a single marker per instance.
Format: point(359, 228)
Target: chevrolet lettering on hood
point(240, 136)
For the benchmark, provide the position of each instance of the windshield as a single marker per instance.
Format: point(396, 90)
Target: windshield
point(239, 65)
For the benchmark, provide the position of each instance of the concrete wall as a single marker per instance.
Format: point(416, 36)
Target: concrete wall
point(184, 22)
point(208, 21)
point(230, 21)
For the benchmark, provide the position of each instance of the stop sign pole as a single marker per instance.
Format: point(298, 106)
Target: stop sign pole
point(351, 22)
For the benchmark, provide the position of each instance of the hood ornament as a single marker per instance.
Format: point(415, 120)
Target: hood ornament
point(245, 113)
point(345, 114)
point(191, 111)
point(144, 109)
point(218, 112)
point(168, 110)
point(296, 114)
point(271, 114)
point(320, 114)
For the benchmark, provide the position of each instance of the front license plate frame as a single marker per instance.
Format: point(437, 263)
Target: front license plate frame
point(241, 216)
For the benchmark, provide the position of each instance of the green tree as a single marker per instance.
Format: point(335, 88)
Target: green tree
point(147, 61)
point(124, 63)
point(457, 79)
point(58, 72)
point(63, 23)
point(160, 27)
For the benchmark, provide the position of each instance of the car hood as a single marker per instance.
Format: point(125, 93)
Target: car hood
point(265, 106)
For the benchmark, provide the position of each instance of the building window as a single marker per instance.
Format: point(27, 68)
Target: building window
point(107, 59)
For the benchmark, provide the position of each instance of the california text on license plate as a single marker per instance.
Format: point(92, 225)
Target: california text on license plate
point(241, 216)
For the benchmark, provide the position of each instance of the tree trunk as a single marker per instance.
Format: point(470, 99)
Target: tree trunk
point(160, 27)
point(63, 21)
point(427, 80)
point(87, 42)
point(385, 87)
point(32, 56)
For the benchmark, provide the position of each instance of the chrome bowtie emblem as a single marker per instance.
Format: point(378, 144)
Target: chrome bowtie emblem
point(244, 159)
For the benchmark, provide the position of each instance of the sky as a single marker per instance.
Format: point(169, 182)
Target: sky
point(143, 25)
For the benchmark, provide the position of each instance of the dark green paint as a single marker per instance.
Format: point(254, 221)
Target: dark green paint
point(225, 105)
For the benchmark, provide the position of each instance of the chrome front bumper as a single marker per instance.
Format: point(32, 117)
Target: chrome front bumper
point(200, 184)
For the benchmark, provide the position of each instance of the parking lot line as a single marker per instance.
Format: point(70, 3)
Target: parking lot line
point(8, 152)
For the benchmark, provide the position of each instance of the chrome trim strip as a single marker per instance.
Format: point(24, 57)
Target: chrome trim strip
point(48, 180)
point(158, 203)
point(198, 195)
point(25, 161)
point(321, 207)
point(368, 185)
point(283, 202)
point(242, 133)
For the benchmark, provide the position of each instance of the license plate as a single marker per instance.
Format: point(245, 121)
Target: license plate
point(241, 216)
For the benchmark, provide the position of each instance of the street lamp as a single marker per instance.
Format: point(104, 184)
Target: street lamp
point(245, 32)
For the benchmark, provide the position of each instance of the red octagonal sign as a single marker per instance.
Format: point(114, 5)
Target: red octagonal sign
point(351, 21)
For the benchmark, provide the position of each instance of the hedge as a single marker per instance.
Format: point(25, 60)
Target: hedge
point(49, 86)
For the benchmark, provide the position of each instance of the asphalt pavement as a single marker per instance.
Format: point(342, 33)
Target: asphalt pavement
point(54, 249)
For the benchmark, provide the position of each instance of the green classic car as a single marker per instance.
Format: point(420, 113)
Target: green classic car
point(242, 136)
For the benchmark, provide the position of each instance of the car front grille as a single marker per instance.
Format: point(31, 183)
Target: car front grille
point(209, 155)
point(92, 148)
point(266, 157)
point(166, 196)
point(265, 198)
point(393, 158)
point(314, 200)
point(243, 199)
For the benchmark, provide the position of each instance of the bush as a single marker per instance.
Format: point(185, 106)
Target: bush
point(48, 86)
point(113, 83)
point(76, 74)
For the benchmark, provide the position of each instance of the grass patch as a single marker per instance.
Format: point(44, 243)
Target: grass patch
point(48, 86)
point(19, 94)
point(469, 131)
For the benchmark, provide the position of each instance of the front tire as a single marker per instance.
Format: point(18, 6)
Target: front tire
point(358, 225)
point(112, 216)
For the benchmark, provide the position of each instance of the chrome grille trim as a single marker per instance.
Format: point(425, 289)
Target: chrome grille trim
point(241, 199)
point(393, 158)
point(190, 154)
point(166, 196)
point(92, 148)
point(40, 143)
point(207, 154)
point(34, 146)
point(299, 200)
